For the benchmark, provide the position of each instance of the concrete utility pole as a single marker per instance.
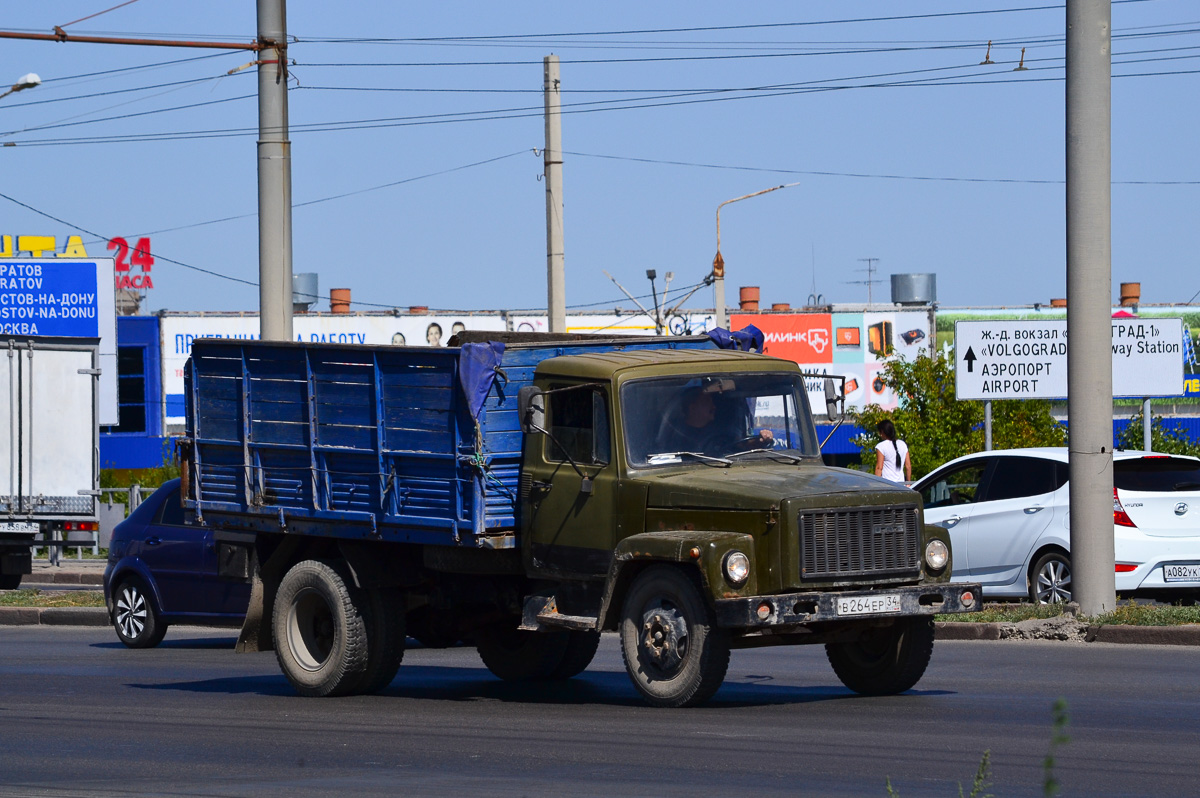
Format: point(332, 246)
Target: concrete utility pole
point(274, 176)
point(556, 292)
point(1089, 302)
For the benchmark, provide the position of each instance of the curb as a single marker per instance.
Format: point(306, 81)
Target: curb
point(46, 577)
point(949, 630)
point(1188, 635)
point(1145, 635)
point(53, 616)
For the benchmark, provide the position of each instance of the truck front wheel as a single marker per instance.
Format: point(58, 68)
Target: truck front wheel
point(885, 661)
point(320, 626)
point(674, 654)
point(10, 581)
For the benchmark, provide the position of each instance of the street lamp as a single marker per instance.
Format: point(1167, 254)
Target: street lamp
point(24, 82)
point(718, 270)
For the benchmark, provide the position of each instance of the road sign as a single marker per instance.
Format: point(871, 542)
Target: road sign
point(64, 297)
point(1028, 359)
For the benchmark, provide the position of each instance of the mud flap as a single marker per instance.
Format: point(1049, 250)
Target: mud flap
point(256, 632)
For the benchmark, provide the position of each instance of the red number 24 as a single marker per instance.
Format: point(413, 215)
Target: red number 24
point(140, 257)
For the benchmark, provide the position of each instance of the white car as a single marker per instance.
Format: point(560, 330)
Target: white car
point(1008, 515)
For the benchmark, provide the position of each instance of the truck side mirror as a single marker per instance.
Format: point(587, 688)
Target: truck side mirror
point(531, 409)
point(833, 399)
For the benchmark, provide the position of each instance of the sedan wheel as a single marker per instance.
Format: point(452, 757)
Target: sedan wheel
point(1051, 580)
point(134, 617)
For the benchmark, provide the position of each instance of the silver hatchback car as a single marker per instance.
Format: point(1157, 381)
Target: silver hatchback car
point(1008, 513)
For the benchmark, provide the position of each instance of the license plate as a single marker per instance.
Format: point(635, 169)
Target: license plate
point(868, 605)
point(1181, 573)
point(17, 526)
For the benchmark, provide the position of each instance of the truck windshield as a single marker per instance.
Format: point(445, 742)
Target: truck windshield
point(718, 416)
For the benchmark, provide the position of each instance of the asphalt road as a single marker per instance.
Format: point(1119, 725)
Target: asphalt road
point(82, 715)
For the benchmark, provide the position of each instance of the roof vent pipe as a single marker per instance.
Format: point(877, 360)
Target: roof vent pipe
point(339, 300)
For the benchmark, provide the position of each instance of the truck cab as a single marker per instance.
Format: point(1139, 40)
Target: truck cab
point(641, 467)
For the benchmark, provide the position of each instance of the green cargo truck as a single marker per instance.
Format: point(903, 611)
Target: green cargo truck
point(524, 494)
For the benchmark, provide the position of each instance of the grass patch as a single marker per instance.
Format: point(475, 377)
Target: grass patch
point(52, 598)
point(1128, 614)
point(1148, 615)
point(1006, 612)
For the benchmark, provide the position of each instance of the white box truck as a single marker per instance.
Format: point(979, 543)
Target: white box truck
point(49, 445)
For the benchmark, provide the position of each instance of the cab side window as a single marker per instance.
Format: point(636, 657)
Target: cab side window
point(1019, 477)
point(578, 426)
point(959, 486)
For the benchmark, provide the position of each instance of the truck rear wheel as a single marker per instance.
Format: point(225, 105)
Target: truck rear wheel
point(320, 626)
point(515, 655)
point(581, 649)
point(674, 654)
point(385, 639)
point(10, 581)
point(885, 661)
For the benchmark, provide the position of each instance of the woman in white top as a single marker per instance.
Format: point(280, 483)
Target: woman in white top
point(891, 454)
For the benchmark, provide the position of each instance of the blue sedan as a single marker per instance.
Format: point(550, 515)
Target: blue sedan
point(163, 570)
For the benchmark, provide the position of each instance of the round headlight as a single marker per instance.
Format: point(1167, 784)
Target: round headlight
point(936, 554)
point(737, 568)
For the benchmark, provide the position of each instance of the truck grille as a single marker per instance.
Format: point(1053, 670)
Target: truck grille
point(837, 544)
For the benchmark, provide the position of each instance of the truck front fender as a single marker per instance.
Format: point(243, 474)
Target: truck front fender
point(702, 550)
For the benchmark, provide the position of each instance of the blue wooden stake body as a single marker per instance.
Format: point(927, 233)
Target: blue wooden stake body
point(366, 442)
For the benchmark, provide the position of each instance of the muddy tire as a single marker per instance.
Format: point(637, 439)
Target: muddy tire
point(385, 639)
point(885, 661)
point(320, 627)
point(581, 649)
point(515, 655)
point(674, 654)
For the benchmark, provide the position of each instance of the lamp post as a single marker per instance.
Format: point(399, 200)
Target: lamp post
point(24, 82)
point(718, 270)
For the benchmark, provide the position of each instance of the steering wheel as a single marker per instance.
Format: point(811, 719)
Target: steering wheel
point(755, 441)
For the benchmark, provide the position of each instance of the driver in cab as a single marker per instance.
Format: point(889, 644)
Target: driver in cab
point(705, 429)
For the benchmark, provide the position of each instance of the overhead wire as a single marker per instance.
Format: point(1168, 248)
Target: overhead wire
point(709, 28)
point(537, 111)
point(877, 176)
point(342, 195)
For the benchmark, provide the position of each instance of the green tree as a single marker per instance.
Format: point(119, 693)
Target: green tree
point(1164, 438)
point(938, 427)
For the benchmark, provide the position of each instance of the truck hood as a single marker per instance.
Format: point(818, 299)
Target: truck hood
point(763, 485)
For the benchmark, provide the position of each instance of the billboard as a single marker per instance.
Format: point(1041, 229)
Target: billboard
point(179, 331)
point(64, 298)
point(620, 324)
point(851, 345)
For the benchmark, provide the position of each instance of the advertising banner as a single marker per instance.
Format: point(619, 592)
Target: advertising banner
point(179, 331)
point(855, 346)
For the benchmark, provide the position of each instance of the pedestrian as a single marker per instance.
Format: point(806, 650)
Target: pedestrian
point(891, 454)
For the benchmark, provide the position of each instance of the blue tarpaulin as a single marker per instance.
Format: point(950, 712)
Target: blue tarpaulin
point(749, 339)
point(477, 369)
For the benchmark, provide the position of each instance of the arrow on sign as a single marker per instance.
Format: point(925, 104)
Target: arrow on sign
point(970, 358)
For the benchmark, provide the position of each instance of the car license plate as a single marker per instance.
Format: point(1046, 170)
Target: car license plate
point(1179, 572)
point(868, 605)
point(17, 526)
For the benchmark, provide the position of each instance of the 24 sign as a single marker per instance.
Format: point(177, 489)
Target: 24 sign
point(128, 257)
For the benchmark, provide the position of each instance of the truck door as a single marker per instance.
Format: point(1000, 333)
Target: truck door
point(571, 479)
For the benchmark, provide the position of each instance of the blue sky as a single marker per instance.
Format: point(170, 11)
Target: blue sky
point(905, 148)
